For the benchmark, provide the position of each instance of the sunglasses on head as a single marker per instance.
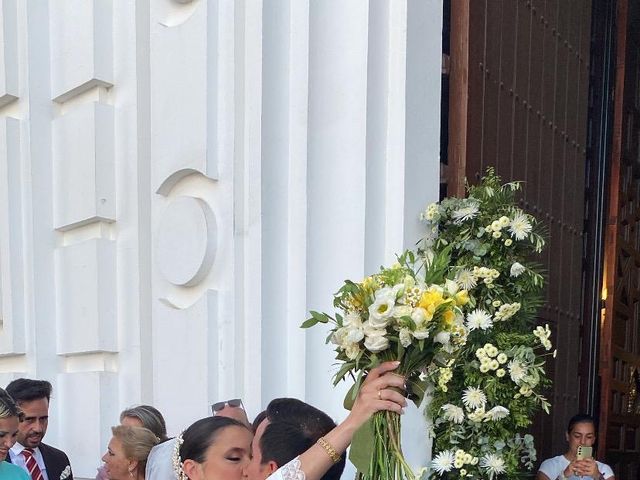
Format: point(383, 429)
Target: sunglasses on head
point(234, 402)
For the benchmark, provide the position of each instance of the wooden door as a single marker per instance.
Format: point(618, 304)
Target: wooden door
point(620, 348)
point(518, 101)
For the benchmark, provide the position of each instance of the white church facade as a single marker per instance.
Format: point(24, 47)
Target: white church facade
point(182, 181)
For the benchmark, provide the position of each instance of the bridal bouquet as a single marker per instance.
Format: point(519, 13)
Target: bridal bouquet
point(401, 313)
point(486, 398)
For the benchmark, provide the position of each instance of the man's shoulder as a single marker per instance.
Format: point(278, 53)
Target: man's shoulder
point(49, 450)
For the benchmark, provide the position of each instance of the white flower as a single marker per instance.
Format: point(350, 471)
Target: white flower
point(443, 462)
point(339, 336)
point(451, 287)
point(517, 269)
point(491, 349)
point(376, 343)
point(502, 358)
point(493, 464)
point(465, 213)
point(352, 319)
point(520, 226)
point(420, 316)
point(479, 319)
point(405, 337)
point(431, 213)
point(66, 473)
point(402, 311)
point(441, 337)
point(517, 371)
point(494, 364)
point(466, 279)
point(452, 413)
point(497, 413)
point(525, 391)
point(375, 340)
point(352, 351)
point(381, 309)
point(420, 333)
point(477, 415)
point(354, 335)
point(500, 372)
point(474, 398)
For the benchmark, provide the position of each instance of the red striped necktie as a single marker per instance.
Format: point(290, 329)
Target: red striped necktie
point(32, 464)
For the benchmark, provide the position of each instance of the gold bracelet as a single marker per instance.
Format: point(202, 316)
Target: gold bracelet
point(335, 458)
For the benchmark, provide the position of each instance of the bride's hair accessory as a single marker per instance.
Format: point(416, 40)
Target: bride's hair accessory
point(175, 459)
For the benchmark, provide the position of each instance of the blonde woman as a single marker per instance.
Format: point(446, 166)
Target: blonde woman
point(127, 453)
point(9, 420)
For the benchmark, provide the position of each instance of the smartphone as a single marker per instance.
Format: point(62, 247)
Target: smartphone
point(584, 452)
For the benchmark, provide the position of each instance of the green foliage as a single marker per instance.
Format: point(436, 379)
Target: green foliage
point(490, 245)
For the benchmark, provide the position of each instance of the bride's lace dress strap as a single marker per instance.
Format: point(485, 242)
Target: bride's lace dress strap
point(291, 471)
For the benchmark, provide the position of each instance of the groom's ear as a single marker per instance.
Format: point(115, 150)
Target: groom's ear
point(271, 466)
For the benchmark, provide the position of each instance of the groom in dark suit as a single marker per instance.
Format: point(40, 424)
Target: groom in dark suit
point(39, 460)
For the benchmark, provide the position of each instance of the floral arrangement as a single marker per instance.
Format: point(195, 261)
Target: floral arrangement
point(396, 314)
point(485, 397)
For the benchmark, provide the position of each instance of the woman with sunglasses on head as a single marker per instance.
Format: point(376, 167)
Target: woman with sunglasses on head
point(213, 456)
point(160, 465)
point(9, 420)
point(581, 433)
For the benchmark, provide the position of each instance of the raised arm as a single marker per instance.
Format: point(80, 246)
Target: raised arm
point(375, 394)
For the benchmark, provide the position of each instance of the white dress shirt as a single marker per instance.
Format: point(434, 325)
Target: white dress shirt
point(18, 459)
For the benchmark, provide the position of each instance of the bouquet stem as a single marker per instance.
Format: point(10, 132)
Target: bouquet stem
point(387, 460)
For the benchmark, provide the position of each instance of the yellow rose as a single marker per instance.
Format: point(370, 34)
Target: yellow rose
point(448, 317)
point(430, 300)
point(461, 298)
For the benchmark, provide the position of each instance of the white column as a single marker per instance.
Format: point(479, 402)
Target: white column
point(338, 46)
point(284, 196)
point(386, 107)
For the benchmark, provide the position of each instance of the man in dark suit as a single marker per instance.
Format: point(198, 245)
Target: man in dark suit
point(40, 461)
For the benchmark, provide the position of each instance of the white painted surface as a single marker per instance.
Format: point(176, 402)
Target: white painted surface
point(181, 181)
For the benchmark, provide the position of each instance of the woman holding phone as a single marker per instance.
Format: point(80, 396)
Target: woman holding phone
point(578, 462)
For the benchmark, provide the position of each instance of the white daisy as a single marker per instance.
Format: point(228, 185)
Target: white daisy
point(493, 464)
point(443, 462)
point(452, 413)
point(520, 226)
point(474, 398)
point(517, 371)
point(479, 319)
point(465, 213)
point(497, 413)
point(466, 279)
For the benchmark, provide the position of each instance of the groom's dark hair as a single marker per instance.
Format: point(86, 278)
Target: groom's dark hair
point(294, 426)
